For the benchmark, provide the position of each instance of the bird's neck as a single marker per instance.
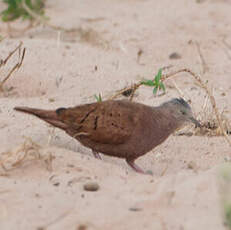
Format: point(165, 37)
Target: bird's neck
point(166, 118)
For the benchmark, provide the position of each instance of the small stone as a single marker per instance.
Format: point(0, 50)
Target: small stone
point(192, 165)
point(174, 55)
point(70, 165)
point(40, 228)
point(200, 1)
point(82, 227)
point(37, 195)
point(223, 94)
point(135, 209)
point(56, 184)
point(91, 186)
point(193, 88)
point(51, 99)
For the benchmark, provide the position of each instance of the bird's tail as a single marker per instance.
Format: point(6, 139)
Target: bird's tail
point(50, 116)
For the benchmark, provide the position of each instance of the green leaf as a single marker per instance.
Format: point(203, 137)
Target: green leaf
point(158, 76)
point(148, 83)
point(15, 9)
point(227, 208)
point(155, 90)
point(161, 86)
point(98, 98)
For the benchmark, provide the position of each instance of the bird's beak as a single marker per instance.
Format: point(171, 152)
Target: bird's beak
point(194, 121)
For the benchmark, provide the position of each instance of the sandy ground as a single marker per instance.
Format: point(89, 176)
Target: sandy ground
point(59, 69)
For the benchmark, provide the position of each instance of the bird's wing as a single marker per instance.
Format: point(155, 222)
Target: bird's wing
point(108, 122)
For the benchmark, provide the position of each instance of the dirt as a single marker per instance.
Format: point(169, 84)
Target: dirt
point(110, 45)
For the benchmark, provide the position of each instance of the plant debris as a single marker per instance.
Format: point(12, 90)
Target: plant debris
point(21, 55)
point(28, 151)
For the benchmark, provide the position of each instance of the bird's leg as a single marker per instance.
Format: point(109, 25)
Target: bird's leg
point(131, 162)
point(134, 166)
point(96, 155)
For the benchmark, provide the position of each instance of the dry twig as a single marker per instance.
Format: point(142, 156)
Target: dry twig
point(16, 66)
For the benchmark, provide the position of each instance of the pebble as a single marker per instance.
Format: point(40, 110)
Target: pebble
point(135, 209)
point(82, 227)
point(192, 165)
point(174, 55)
point(91, 186)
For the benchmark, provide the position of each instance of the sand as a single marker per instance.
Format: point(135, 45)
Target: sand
point(101, 56)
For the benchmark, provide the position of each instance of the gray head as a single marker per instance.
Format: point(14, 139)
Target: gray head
point(181, 111)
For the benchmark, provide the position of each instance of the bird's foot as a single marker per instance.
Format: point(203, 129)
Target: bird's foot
point(137, 168)
point(96, 155)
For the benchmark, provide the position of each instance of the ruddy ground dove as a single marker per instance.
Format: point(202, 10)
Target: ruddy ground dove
point(119, 128)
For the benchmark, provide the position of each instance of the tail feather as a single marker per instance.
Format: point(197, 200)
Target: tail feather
point(50, 116)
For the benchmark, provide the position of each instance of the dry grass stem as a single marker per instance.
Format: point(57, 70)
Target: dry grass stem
point(178, 90)
point(35, 16)
point(226, 44)
point(130, 91)
point(205, 67)
point(208, 92)
point(227, 47)
point(57, 219)
point(164, 170)
point(3, 62)
point(16, 66)
point(50, 136)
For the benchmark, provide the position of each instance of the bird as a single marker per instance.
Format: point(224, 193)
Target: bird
point(119, 128)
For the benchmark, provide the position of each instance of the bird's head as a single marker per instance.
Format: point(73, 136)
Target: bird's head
point(181, 111)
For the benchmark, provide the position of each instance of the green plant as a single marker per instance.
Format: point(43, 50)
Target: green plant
point(225, 192)
point(227, 210)
point(156, 83)
point(16, 9)
point(98, 98)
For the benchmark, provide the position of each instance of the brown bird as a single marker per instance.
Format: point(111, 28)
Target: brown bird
point(119, 128)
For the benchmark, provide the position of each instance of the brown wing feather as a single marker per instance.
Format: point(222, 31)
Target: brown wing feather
point(108, 122)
